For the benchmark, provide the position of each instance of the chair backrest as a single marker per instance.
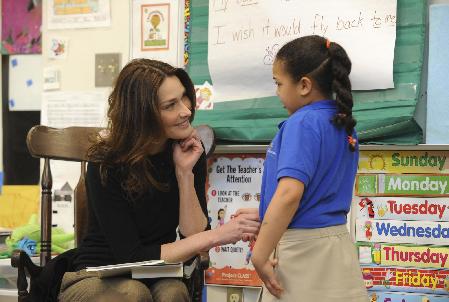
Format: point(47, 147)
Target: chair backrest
point(72, 144)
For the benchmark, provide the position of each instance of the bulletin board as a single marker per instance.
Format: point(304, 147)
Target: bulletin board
point(384, 116)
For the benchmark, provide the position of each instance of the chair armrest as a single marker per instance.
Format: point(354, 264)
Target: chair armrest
point(194, 275)
point(25, 267)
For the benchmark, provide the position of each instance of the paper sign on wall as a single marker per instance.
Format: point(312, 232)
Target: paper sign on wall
point(431, 281)
point(78, 13)
point(432, 185)
point(234, 182)
point(402, 208)
point(404, 255)
point(244, 37)
point(395, 231)
point(416, 161)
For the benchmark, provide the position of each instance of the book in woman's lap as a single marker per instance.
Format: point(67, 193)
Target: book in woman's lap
point(140, 270)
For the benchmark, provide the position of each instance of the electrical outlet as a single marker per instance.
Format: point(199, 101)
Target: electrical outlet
point(107, 67)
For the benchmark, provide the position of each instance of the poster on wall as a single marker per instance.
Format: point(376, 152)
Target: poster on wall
point(21, 26)
point(78, 14)
point(25, 82)
point(157, 30)
point(233, 183)
point(429, 281)
point(66, 109)
point(401, 223)
point(74, 108)
point(245, 36)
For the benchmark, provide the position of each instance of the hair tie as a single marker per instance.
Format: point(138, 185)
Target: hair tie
point(352, 141)
point(328, 43)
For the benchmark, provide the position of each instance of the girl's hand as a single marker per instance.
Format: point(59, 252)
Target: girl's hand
point(265, 270)
point(187, 152)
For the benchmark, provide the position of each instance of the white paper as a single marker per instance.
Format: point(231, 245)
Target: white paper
point(76, 108)
point(244, 37)
point(157, 31)
point(78, 14)
point(65, 109)
point(65, 178)
point(51, 78)
point(25, 82)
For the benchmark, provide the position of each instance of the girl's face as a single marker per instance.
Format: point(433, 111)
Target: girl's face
point(175, 109)
point(221, 214)
point(288, 90)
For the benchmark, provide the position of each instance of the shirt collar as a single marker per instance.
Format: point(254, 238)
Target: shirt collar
point(322, 104)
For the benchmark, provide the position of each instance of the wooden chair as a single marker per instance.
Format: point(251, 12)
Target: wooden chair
point(71, 144)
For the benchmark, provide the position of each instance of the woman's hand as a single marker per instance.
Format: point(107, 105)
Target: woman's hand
point(235, 229)
point(265, 270)
point(253, 214)
point(187, 152)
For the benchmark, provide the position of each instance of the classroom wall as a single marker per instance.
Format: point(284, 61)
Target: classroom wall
point(77, 71)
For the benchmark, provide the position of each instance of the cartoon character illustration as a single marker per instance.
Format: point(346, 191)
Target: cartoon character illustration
point(203, 98)
point(368, 278)
point(446, 283)
point(250, 252)
point(368, 203)
point(155, 20)
point(425, 299)
point(381, 211)
point(388, 276)
point(221, 216)
point(58, 48)
point(368, 232)
point(376, 253)
point(373, 297)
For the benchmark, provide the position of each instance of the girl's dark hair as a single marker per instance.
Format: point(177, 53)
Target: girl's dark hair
point(328, 65)
point(134, 123)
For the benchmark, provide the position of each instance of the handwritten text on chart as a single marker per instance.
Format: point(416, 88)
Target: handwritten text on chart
point(245, 35)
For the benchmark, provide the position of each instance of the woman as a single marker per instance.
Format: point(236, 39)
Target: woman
point(146, 178)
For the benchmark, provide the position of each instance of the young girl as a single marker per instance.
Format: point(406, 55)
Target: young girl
point(308, 179)
point(146, 179)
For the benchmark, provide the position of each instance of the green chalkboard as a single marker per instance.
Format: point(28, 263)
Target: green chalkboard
point(384, 116)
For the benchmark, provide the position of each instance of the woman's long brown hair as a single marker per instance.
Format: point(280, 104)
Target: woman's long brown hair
point(134, 123)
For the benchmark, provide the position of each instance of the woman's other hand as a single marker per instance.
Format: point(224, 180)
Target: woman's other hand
point(187, 152)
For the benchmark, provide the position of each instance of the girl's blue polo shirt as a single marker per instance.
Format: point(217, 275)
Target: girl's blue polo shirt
point(311, 149)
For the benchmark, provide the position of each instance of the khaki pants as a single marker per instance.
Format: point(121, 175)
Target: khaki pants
point(85, 286)
point(318, 265)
